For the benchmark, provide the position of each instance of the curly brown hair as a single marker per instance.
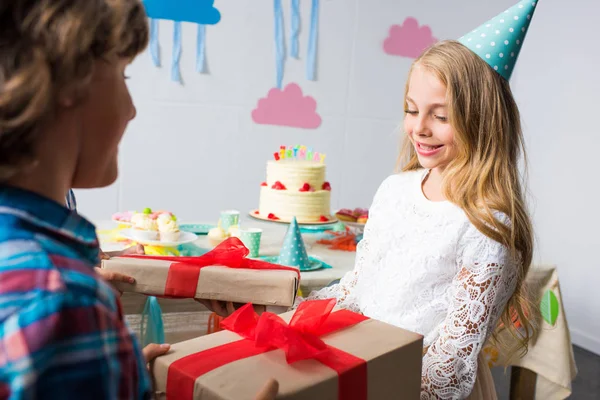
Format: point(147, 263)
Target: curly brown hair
point(48, 47)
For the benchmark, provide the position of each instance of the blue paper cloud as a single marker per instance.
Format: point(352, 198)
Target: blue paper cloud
point(196, 11)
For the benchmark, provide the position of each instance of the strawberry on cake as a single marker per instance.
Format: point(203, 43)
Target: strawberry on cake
point(296, 187)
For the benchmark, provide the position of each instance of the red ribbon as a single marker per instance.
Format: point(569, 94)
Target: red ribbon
point(184, 272)
point(300, 340)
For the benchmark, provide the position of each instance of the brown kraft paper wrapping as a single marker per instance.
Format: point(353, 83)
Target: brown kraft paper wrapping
point(393, 357)
point(265, 287)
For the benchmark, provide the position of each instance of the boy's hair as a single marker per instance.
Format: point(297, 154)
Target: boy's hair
point(484, 177)
point(48, 47)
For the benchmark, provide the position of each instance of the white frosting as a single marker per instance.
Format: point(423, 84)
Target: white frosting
point(166, 223)
point(143, 222)
point(293, 174)
point(285, 204)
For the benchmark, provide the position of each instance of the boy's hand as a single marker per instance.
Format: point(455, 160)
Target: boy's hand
point(269, 391)
point(154, 350)
point(111, 276)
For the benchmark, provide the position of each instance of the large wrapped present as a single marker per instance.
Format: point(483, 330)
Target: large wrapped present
point(321, 353)
point(225, 273)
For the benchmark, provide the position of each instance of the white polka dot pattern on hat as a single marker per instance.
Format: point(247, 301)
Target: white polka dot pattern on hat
point(293, 252)
point(509, 29)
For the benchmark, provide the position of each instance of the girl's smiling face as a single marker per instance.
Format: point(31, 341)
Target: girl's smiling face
point(426, 120)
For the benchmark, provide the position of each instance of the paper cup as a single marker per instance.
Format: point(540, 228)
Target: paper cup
point(251, 239)
point(228, 219)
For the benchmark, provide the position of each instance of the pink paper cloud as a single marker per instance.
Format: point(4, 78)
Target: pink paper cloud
point(408, 39)
point(287, 107)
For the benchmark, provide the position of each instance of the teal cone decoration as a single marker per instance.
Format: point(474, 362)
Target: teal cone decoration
point(499, 40)
point(293, 251)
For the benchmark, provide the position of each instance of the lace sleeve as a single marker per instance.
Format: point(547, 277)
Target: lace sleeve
point(479, 294)
point(344, 291)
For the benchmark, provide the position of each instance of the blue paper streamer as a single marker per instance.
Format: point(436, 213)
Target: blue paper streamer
point(311, 60)
point(152, 327)
point(294, 47)
point(154, 48)
point(200, 49)
point(175, 72)
point(279, 42)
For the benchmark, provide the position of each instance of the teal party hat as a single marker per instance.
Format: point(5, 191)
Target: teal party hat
point(499, 40)
point(293, 251)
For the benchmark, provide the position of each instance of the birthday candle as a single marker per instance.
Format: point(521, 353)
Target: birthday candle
point(316, 156)
point(276, 155)
point(282, 151)
point(288, 153)
point(302, 153)
point(323, 155)
point(309, 154)
point(295, 151)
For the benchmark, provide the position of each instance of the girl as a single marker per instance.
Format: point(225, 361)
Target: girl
point(449, 241)
point(64, 107)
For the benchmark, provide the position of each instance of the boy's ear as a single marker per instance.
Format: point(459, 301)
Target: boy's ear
point(66, 98)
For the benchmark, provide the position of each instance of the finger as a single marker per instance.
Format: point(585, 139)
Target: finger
point(259, 309)
point(218, 308)
point(269, 391)
point(154, 350)
point(140, 249)
point(230, 308)
point(111, 276)
point(205, 303)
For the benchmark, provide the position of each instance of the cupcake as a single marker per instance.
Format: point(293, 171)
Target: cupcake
point(234, 231)
point(168, 228)
point(144, 227)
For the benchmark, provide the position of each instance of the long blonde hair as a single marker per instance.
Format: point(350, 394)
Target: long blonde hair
point(484, 177)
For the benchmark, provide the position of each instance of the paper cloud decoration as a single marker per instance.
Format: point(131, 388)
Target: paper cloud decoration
point(408, 39)
point(287, 107)
point(196, 11)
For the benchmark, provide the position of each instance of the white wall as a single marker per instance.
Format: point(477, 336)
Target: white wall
point(195, 150)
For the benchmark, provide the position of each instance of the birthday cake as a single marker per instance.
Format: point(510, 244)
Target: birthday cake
point(296, 187)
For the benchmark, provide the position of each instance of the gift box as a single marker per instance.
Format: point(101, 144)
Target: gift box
point(315, 352)
point(224, 273)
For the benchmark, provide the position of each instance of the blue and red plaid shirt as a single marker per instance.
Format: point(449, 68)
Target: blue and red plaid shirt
point(62, 331)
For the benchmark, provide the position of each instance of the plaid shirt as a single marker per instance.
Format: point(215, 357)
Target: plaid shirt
point(62, 332)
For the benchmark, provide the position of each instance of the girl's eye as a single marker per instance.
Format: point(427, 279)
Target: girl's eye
point(439, 117)
point(411, 112)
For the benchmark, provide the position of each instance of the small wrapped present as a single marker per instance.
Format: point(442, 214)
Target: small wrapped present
point(224, 273)
point(321, 353)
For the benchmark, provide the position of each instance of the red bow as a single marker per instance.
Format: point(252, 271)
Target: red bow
point(299, 340)
point(184, 272)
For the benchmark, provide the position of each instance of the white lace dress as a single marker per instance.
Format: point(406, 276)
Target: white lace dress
point(424, 267)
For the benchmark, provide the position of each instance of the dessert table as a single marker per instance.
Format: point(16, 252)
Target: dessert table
point(545, 372)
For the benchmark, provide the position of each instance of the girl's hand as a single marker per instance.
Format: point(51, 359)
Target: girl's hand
point(225, 309)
